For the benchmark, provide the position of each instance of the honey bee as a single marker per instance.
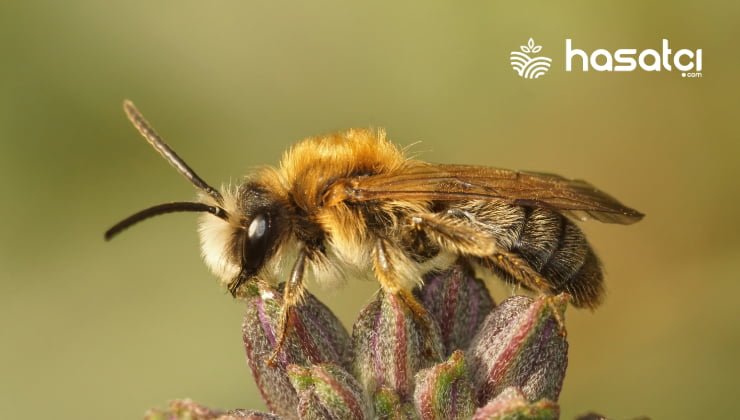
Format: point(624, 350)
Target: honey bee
point(350, 204)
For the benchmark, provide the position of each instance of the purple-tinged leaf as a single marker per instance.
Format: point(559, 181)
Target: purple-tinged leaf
point(187, 409)
point(328, 392)
point(391, 344)
point(388, 406)
point(444, 391)
point(314, 336)
point(520, 344)
point(511, 404)
point(458, 302)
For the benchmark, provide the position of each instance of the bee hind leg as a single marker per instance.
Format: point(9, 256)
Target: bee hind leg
point(521, 271)
point(292, 296)
point(459, 235)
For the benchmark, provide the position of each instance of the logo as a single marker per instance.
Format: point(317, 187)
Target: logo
point(526, 64)
point(688, 62)
point(628, 59)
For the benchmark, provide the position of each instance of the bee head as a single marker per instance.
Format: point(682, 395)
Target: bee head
point(238, 232)
point(237, 247)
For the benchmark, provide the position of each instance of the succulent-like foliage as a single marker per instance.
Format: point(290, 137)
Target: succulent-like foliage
point(391, 345)
point(465, 358)
point(512, 404)
point(316, 336)
point(458, 302)
point(187, 410)
point(520, 344)
point(328, 392)
point(444, 391)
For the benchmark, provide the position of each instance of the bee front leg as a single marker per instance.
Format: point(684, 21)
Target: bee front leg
point(292, 296)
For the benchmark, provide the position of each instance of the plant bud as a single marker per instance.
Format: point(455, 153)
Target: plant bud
point(458, 302)
point(391, 344)
point(444, 391)
point(520, 344)
point(187, 409)
point(328, 392)
point(314, 336)
point(511, 404)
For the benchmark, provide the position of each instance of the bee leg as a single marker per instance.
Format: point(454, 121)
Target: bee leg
point(464, 239)
point(292, 296)
point(386, 272)
point(453, 234)
point(518, 268)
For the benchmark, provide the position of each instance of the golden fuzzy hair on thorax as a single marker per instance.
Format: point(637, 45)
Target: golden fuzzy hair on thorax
point(315, 162)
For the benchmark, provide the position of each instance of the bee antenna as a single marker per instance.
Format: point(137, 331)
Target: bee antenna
point(163, 209)
point(147, 131)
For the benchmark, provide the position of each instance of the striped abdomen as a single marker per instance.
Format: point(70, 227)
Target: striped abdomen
point(555, 247)
point(551, 243)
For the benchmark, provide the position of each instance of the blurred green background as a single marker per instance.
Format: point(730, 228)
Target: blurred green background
point(93, 329)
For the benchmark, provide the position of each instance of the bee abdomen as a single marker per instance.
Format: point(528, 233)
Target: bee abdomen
point(557, 249)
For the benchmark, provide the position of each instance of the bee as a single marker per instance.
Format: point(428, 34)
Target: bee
point(351, 204)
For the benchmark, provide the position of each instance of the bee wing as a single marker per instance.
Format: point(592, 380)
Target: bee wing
point(433, 182)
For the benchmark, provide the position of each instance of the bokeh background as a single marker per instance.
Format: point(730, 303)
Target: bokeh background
point(106, 330)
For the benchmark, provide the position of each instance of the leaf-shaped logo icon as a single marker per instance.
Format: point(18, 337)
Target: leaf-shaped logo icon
point(528, 64)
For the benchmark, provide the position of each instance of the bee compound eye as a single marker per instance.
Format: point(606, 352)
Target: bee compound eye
point(258, 227)
point(256, 244)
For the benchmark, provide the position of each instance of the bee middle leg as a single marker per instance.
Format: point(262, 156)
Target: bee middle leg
point(386, 265)
point(292, 296)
